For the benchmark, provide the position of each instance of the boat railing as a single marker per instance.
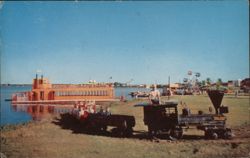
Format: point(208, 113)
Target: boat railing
point(82, 86)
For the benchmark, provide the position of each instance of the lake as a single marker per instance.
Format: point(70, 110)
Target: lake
point(24, 113)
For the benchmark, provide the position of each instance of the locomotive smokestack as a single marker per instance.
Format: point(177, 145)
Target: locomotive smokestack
point(216, 97)
point(36, 76)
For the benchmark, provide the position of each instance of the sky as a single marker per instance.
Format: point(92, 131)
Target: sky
point(140, 41)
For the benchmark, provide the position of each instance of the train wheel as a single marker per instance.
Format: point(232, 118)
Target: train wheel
point(116, 132)
point(207, 134)
point(211, 134)
point(150, 131)
point(128, 132)
point(103, 129)
point(214, 135)
point(176, 133)
point(228, 134)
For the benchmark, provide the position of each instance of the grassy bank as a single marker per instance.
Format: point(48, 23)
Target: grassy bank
point(52, 138)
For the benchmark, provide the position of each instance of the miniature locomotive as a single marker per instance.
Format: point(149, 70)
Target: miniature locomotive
point(165, 118)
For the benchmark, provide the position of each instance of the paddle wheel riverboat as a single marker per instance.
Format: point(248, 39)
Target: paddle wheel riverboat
point(45, 92)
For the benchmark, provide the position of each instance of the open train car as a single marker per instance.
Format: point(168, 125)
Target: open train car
point(91, 120)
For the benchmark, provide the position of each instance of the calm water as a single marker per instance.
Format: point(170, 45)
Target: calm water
point(8, 116)
point(23, 113)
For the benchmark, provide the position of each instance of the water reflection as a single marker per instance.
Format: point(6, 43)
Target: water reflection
point(12, 114)
point(39, 112)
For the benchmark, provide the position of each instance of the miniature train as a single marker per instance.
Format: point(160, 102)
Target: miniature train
point(164, 118)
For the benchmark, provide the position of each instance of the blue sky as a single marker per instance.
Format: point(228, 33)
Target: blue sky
point(73, 42)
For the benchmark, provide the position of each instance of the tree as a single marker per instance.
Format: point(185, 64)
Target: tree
point(219, 81)
point(203, 82)
point(208, 81)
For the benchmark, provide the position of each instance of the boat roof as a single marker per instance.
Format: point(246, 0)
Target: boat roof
point(169, 103)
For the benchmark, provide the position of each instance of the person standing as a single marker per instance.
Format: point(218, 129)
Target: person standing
point(154, 95)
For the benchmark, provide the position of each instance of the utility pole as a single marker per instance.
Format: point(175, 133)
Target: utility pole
point(169, 87)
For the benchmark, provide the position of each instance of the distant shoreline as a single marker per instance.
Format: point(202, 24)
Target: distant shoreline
point(24, 85)
point(15, 85)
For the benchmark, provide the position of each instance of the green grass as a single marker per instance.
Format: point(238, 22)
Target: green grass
point(239, 108)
